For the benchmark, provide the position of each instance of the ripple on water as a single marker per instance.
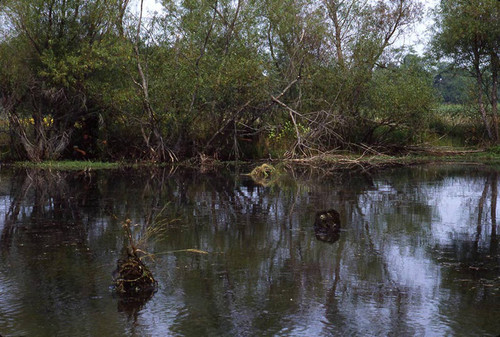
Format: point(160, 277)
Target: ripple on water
point(11, 306)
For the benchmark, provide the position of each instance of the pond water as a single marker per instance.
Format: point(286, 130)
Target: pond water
point(417, 254)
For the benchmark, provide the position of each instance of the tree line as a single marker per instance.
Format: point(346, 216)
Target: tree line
point(228, 79)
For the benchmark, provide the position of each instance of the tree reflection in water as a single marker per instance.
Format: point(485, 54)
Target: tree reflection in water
point(417, 253)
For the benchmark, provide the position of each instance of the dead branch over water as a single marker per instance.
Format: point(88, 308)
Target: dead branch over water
point(371, 158)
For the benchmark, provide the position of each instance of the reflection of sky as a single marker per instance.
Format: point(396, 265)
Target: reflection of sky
point(419, 275)
point(380, 278)
point(457, 202)
point(411, 268)
point(413, 275)
point(4, 207)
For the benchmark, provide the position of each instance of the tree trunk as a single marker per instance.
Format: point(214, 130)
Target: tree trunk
point(150, 130)
point(38, 132)
point(121, 14)
point(494, 92)
point(480, 209)
point(332, 12)
point(494, 196)
point(480, 99)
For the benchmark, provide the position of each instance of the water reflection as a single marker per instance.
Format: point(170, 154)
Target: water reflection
point(417, 253)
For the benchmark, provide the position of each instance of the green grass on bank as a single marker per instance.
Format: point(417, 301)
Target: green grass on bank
point(331, 161)
point(69, 165)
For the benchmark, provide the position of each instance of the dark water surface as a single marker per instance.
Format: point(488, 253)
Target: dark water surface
point(418, 253)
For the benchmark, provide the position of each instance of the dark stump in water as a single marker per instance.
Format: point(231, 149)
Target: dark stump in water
point(134, 284)
point(132, 278)
point(327, 226)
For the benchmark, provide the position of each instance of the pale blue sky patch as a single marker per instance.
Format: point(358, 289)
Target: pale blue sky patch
point(418, 37)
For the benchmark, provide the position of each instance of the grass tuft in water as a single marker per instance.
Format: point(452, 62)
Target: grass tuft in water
point(132, 277)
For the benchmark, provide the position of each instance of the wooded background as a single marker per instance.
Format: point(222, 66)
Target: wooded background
point(241, 79)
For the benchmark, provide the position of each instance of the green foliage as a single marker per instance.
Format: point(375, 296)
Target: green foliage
point(287, 131)
point(281, 138)
point(401, 98)
point(457, 124)
point(218, 75)
point(453, 85)
point(494, 150)
point(466, 27)
point(469, 33)
point(64, 54)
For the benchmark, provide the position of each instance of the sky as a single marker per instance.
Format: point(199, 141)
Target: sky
point(151, 5)
point(418, 38)
point(421, 35)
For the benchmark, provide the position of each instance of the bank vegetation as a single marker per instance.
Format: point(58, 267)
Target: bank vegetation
point(241, 79)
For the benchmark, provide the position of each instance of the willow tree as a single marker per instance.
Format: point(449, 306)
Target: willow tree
point(469, 33)
point(224, 71)
point(333, 47)
point(207, 76)
point(52, 57)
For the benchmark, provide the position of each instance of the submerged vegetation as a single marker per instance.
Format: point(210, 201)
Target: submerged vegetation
point(263, 171)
